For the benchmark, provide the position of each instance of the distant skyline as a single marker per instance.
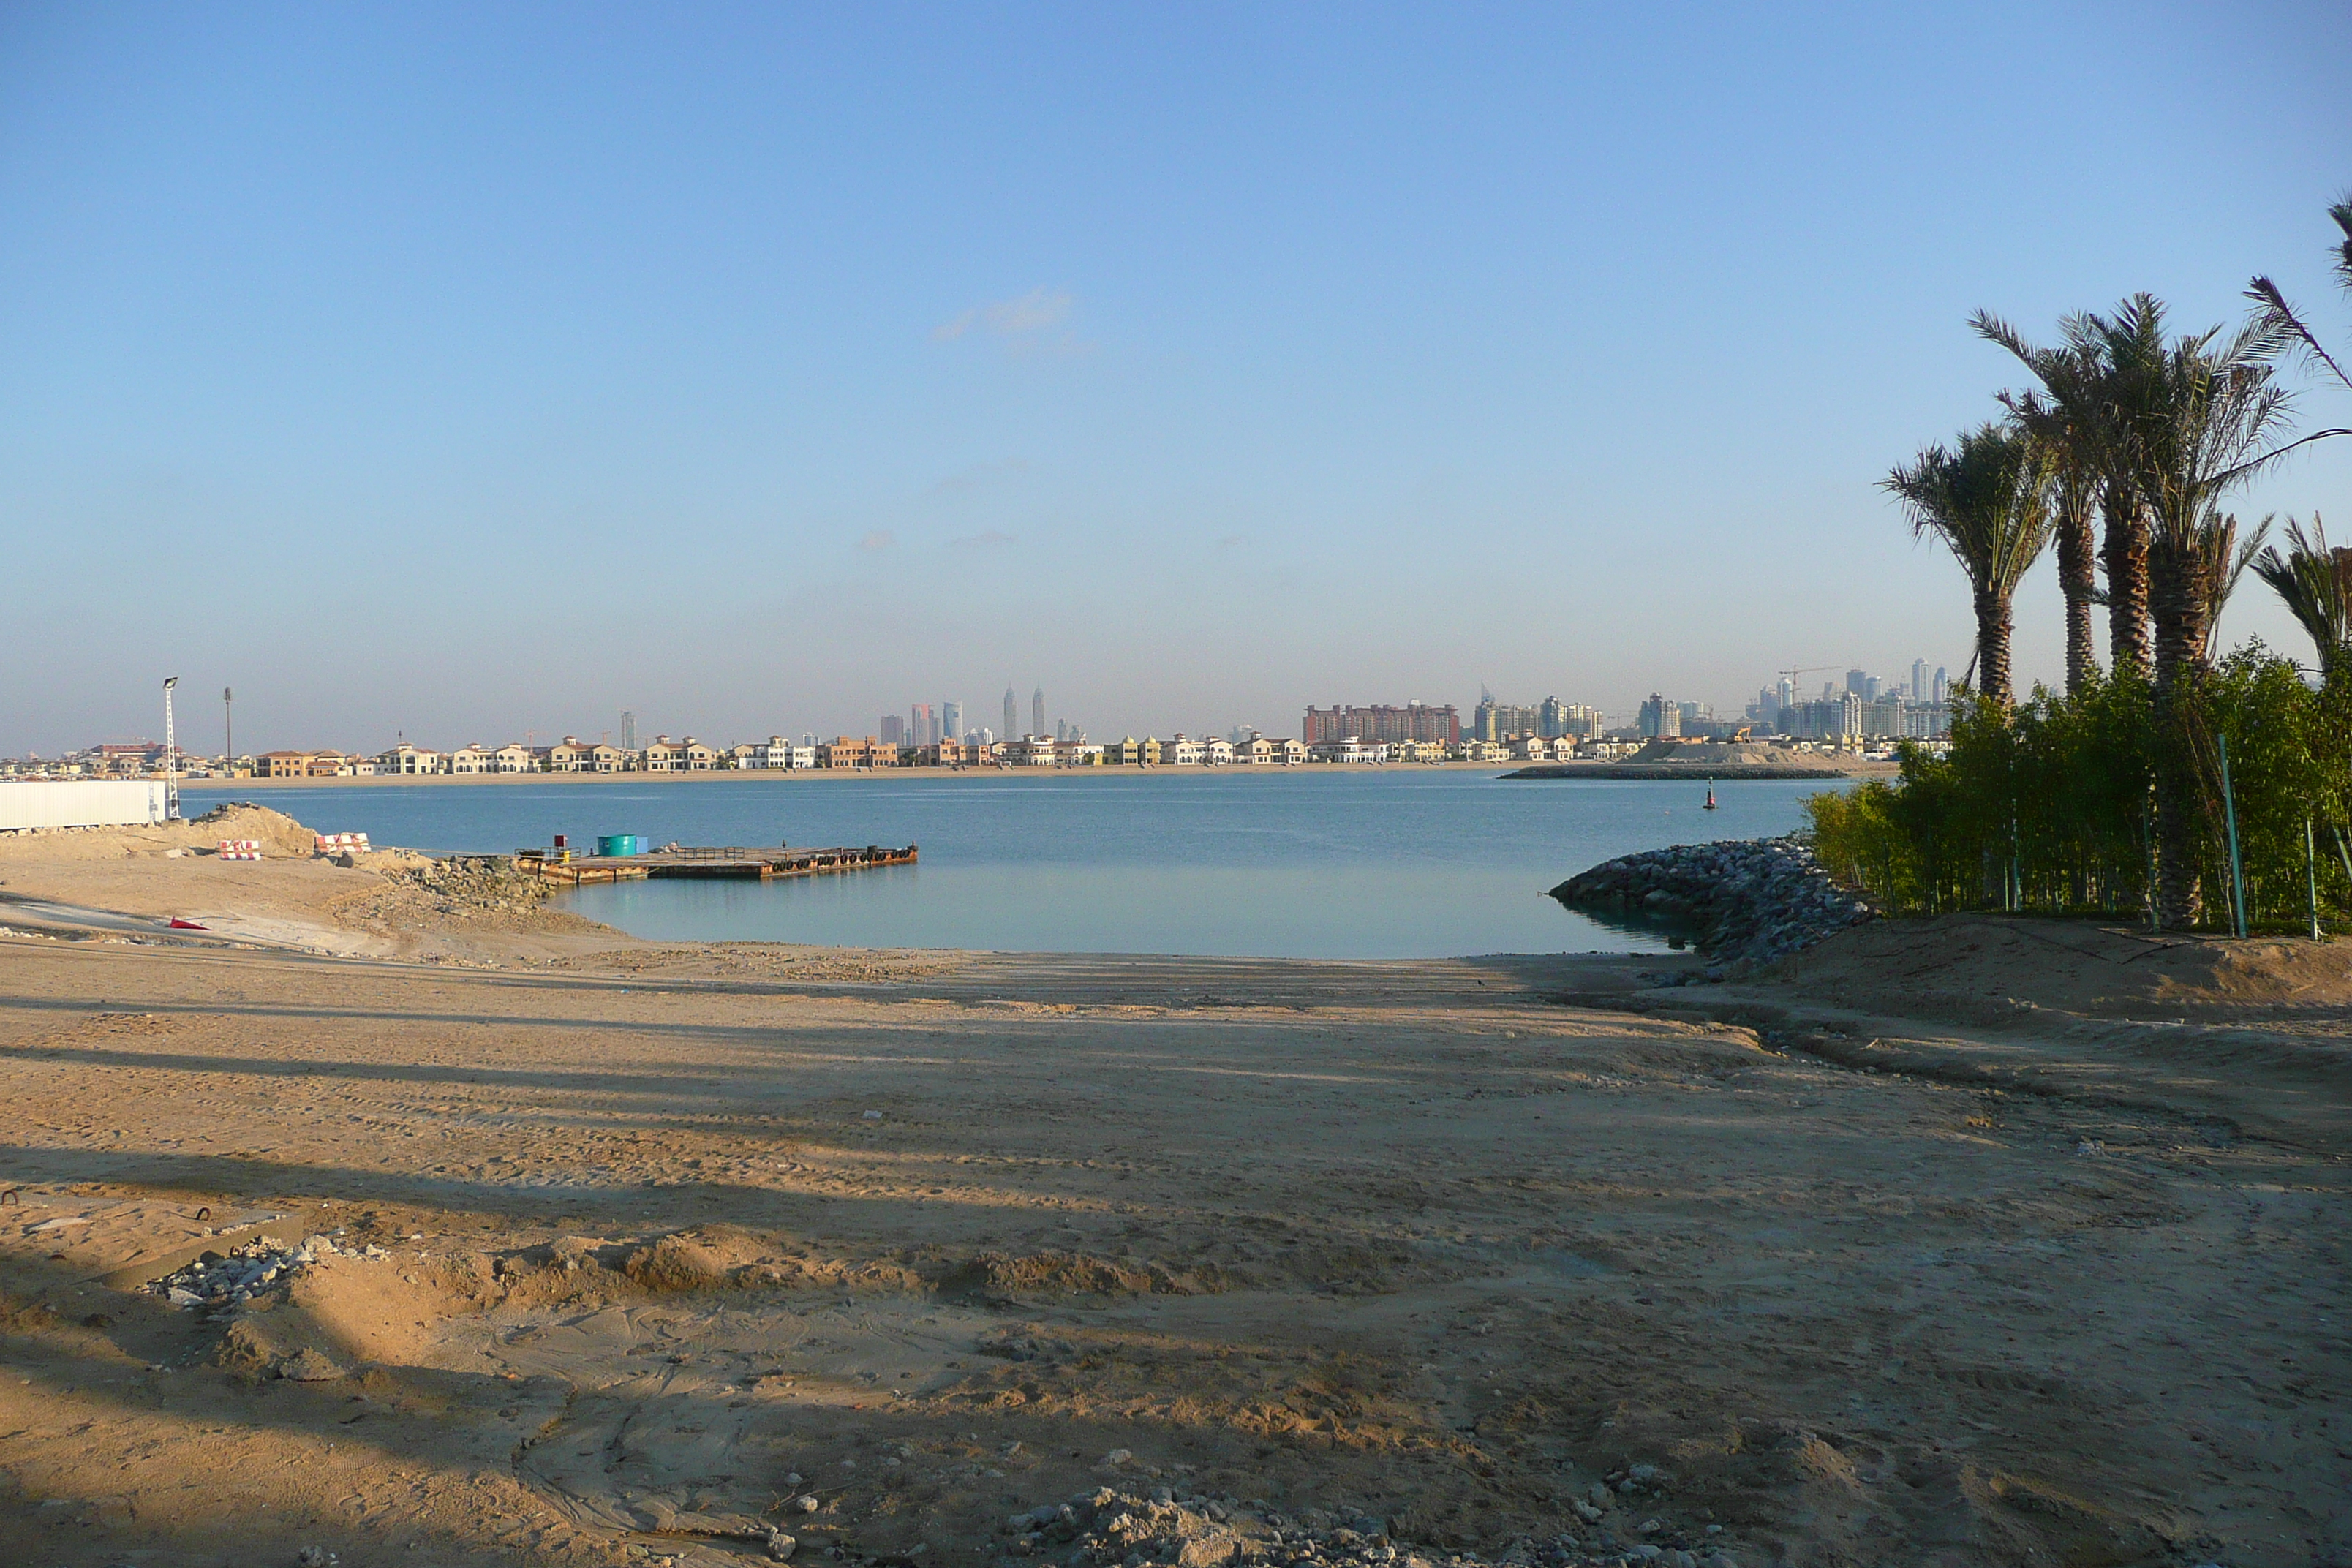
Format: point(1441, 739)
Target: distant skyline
point(467, 372)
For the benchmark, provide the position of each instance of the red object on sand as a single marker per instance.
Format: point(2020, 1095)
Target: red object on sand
point(178, 924)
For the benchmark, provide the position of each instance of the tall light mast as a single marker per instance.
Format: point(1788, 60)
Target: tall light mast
point(228, 734)
point(171, 755)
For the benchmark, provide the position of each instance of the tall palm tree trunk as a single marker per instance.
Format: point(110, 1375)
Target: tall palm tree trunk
point(1992, 646)
point(2078, 579)
point(2179, 604)
point(2125, 555)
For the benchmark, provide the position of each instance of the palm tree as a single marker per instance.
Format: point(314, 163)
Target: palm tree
point(2083, 408)
point(2315, 583)
point(2075, 487)
point(1989, 502)
point(2198, 416)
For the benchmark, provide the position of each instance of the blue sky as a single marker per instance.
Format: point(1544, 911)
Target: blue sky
point(462, 372)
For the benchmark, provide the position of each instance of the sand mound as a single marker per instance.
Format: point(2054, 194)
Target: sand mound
point(1978, 968)
point(278, 834)
point(340, 1314)
point(1739, 754)
point(685, 1263)
point(1079, 1274)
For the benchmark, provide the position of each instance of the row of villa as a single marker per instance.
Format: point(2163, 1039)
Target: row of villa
point(863, 753)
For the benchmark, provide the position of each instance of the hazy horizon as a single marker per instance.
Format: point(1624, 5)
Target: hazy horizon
point(462, 373)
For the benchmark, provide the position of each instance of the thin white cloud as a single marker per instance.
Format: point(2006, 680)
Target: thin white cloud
point(1038, 311)
point(879, 539)
point(980, 475)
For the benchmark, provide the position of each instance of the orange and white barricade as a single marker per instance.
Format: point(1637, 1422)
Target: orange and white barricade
point(342, 843)
point(240, 849)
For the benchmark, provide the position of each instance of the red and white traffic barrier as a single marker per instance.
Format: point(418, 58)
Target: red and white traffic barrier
point(240, 849)
point(337, 843)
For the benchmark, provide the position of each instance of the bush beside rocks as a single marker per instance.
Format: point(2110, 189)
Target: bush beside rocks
point(1750, 901)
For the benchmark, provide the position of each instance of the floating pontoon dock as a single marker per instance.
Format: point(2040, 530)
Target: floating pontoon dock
point(590, 870)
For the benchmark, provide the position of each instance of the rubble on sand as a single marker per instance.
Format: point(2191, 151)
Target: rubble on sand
point(1106, 1526)
point(223, 1279)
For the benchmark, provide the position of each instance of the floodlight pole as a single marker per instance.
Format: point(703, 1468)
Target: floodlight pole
point(171, 756)
point(228, 732)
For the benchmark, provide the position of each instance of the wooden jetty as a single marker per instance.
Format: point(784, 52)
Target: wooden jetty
point(592, 870)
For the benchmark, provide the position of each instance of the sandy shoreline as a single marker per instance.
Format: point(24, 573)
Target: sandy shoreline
point(1982, 1242)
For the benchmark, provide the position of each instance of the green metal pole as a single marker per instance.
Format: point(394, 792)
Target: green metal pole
point(2237, 871)
point(2311, 874)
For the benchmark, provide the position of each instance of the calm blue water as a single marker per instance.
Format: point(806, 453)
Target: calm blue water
point(1406, 863)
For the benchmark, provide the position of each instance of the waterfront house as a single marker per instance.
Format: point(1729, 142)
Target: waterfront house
point(282, 765)
point(1130, 752)
point(699, 758)
point(406, 760)
point(512, 760)
point(1217, 753)
point(849, 752)
point(775, 751)
point(1181, 751)
point(610, 759)
point(473, 760)
point(1294, 753)
point(1258, 751)
point(666, 756)
point(941, 753)
point(567, 757)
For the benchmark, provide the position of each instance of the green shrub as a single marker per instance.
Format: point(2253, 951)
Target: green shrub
point(2047, 807)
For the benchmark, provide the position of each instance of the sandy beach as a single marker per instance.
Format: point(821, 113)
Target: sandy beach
point(1973, 1241)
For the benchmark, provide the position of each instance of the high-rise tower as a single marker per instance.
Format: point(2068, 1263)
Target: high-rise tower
point(951, 720)
point(1037, 711)
point(1012, 714)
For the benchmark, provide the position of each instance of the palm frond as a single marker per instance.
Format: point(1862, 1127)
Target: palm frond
point(2315, 583)
point(2282, 320)
point(1988, 500)
point(2342, 213)
point(2223, 560)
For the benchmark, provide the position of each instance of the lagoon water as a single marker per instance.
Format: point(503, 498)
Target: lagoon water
point(1398, 863)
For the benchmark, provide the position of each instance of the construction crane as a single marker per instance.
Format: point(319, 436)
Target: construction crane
point(1790, 675)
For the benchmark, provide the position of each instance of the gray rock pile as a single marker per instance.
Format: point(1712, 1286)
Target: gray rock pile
point(223, 1279)
point(1748, 902)
point(1613, 1527)
point(474, 884)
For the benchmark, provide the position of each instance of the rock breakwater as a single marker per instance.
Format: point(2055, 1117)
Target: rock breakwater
point(1748, 900)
